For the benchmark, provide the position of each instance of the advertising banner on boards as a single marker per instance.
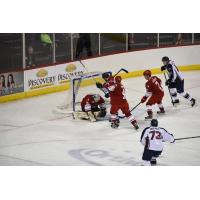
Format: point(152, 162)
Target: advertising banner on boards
point(11, 83)
point(51, 76)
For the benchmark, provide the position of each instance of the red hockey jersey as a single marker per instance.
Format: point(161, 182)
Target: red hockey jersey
point(88, 102)
point(153, 86)
point(116, 90)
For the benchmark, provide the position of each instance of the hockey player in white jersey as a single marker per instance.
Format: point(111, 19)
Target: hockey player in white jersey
point(175, 81)
point(152, 138)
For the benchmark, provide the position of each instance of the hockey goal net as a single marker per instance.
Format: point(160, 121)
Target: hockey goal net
point(78, 90)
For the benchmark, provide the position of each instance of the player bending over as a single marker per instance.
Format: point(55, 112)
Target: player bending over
point(175, 81)
point(152, 138)
point(114, 89)
point(154, 94)
point(93, 106)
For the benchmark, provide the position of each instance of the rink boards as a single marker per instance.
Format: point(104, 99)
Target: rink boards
point(56, 78)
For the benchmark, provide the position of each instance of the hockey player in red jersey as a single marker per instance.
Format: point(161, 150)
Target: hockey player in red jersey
point(94, 103)
point(154, 94)
point(93, 106)
point(116, 91)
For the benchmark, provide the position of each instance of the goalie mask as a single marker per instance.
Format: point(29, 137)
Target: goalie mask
point(96, 97)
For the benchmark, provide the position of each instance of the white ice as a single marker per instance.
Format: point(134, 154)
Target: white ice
point(31, 134)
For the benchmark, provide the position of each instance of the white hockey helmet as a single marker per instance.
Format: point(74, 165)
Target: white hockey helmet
point(96, 97)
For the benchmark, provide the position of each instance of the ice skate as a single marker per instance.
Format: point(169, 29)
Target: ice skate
point(193, 102)
point(161, 111)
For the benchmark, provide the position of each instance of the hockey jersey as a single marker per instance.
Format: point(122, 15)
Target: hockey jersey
point(173, 72)
point(116, 90)
point(153, 137)
point(88, 102)
point(153, 86)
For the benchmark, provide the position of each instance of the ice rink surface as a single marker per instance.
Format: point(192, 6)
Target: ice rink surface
point(31, 134)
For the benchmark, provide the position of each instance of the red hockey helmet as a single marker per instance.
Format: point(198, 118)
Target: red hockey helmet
point(147, 73)
point(118, 79)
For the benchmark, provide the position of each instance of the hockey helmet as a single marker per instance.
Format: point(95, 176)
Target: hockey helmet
point(154, 122)
point(106, 75)
point(118, 79)
point(165, 59)
point(96, 97)
point(147, 73)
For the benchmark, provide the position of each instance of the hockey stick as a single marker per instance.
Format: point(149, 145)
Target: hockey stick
point(92, 77)
point(87, 70)
point(185, 138)
point(122, 117)
point(169, 90)
point(122, 69)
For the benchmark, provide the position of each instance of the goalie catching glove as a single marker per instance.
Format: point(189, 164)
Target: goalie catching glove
point(102, 113)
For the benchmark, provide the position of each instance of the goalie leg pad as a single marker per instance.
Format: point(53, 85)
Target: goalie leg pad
point(80, 115)
point(91, 116)
point(85, 116)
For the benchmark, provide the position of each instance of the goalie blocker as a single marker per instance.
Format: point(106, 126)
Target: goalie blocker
point(93, 106)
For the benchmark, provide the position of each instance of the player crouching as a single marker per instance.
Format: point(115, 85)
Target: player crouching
point(114, 89)
point(152, 138)
point(93, 106)
point(154, 92)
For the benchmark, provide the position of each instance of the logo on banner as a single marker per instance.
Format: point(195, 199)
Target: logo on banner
point(42, 73)
point(42, 80)
point(70, 68)
point(71, 71)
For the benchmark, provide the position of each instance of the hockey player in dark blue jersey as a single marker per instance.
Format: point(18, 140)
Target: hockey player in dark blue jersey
point(175, 81)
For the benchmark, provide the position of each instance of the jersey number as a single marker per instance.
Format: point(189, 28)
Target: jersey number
point(156, 134)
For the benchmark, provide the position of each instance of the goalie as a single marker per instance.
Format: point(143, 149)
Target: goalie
point(93, 106)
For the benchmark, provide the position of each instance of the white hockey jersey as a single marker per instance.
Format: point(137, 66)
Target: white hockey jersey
point(153, 137)
point(173, 72)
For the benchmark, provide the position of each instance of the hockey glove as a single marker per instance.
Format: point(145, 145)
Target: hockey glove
point(168, 82)
point(173, 140)
point(163, 68)
point(107, 95)
point(102, 113)
point(144, 98)
point(99, 85)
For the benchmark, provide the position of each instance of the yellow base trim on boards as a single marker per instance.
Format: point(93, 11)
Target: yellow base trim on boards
point(63, 87)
